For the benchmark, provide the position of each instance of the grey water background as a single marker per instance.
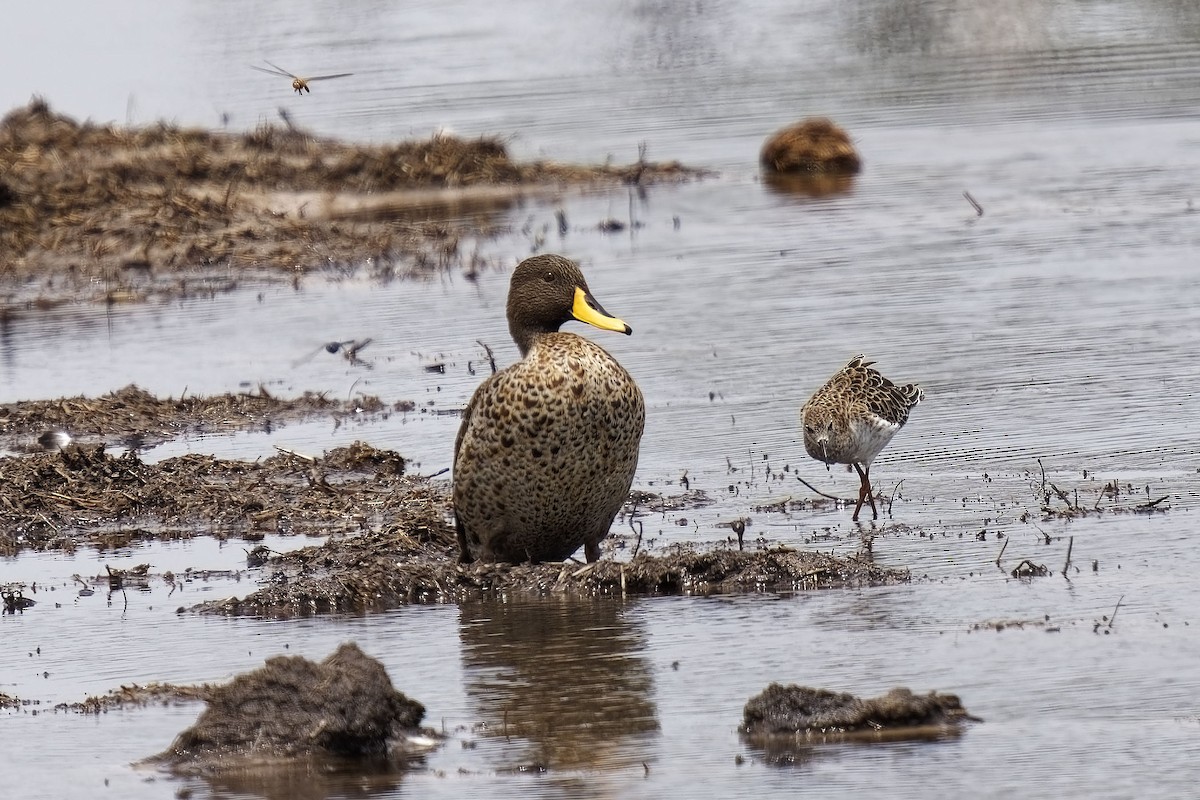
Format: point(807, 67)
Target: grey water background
point(1058, 330)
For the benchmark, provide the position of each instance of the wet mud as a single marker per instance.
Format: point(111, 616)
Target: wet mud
point(125, 214)
point(391, 537)
point(350, 710)
point(401, 565)
point(134, 418)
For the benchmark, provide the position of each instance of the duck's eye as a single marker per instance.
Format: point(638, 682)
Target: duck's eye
point(548, 277)
point(808, 428)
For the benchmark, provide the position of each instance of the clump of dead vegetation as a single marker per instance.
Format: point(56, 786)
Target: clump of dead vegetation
point(134, 416)
point(83, 494)
point(138, 695)
point(415, 561)
point(80, 201)
point(786, 722)
point(811, 146)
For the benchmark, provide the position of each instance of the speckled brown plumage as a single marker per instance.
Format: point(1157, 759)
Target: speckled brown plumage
point(853, 417)
point(547, 448)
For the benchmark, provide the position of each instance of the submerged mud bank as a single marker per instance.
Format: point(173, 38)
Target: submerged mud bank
point(122, 214)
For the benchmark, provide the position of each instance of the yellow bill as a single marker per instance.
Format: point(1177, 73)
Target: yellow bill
point(586, 309)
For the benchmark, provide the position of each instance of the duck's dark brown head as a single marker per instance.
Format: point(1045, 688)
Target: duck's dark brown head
point(545, 292)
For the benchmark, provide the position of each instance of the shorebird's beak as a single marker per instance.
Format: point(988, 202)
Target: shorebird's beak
point(586, 309)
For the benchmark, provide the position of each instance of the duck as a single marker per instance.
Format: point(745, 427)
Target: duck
point(852, 417)
point(547, 448)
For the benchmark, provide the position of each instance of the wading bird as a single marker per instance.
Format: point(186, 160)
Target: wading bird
point(852, 417)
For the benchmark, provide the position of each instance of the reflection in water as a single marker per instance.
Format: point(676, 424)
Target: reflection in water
point(306, 780)
point(565, 680)
point(965, 27)
point(800, 184)
point(782, 750)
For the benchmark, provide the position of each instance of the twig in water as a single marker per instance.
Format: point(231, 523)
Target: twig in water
point(978, 208)
point(488, 350)
point(1117, 608)
point(1150, 504)
point(739, 527)
point(1001, 553)
point(1063, 496)
point(895, 491)
point(818, 491)
point(636, 545)
point(1070, 545)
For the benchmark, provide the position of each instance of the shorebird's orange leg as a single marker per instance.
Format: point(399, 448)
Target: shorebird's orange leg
point(864, 493)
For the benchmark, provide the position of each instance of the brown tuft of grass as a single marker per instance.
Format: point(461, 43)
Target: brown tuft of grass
point(812, 146)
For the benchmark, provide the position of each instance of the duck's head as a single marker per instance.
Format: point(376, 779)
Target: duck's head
point(545, 292)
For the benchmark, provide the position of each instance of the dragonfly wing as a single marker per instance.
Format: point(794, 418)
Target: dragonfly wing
point(271, 71)
point(327, 77)
point(283, 71)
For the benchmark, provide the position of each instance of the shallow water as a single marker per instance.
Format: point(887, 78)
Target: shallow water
point(1061, 326)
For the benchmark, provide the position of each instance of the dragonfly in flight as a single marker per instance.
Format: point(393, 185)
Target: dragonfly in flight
point(298, 83)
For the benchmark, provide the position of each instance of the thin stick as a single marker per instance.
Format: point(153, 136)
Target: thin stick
point(978, 208)
point(488, 350)
point(1153, 503)
point(1113, 618)
point(1001, 554)
point(636, 545)
point(1070, 545)
point(294, 454)
point(818, 491)
point(895, 491)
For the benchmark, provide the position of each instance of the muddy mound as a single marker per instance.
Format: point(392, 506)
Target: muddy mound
point(416, 561)
point(806, 712)
point(134, 206)
point(290, 707)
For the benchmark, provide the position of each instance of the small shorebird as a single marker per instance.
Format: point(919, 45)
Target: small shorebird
point(852, 417)
point(547, 448)
point(298, 83)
